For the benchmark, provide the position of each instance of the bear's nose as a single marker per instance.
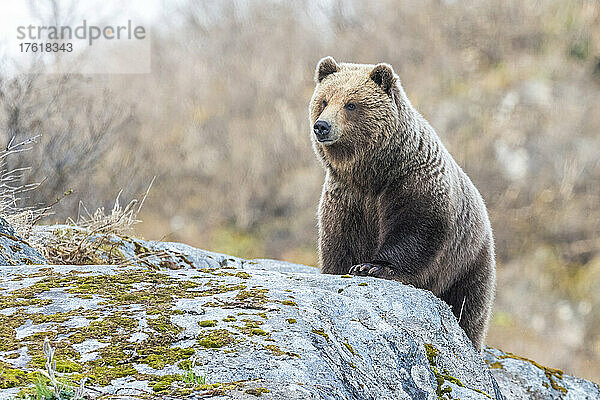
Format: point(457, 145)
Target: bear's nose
point(321, 130)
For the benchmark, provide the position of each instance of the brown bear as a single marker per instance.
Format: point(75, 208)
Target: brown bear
point(395, 204)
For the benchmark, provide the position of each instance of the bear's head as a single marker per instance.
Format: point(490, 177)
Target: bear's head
point(354, 109)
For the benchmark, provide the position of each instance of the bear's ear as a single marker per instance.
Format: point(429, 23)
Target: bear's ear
point(326, 66)
point(384, 76)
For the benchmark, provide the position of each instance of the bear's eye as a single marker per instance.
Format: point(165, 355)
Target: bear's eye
point(324, 103)
point(350, 106)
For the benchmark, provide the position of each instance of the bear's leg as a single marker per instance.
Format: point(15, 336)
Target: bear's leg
point(344, 234)
point(471, 299)
point(410, 238)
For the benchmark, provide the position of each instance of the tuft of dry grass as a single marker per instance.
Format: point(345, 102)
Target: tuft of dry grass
point(119, 221)
point(94, 233)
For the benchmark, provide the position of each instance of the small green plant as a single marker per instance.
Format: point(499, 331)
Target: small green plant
point(49, 386)
point(45, 392)
point(60, 389)
point(191, 379)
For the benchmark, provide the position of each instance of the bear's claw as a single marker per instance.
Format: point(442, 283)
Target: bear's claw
point(366, 269)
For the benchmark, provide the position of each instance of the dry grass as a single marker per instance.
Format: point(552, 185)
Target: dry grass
point(119, 221)
point(94, 233)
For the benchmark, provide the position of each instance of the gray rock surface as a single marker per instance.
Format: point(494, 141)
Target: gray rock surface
point(248, 328)
point(521, 378)
point(14, 250)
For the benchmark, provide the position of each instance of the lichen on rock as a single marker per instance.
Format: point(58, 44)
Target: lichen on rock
point(258, 328)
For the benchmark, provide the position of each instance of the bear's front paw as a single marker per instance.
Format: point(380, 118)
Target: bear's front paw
point(368, 269)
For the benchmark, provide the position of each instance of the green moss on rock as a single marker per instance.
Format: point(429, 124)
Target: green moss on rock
point(553, 374)
point(161, 356)
point(12, 377)
point(215, 339)
point(321, 332)
point(257, 391)
point(350, 349)
point(443, 392)
point(163, 324)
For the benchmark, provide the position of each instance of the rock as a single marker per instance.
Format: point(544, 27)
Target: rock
point(186, 323)
point(14, 250)
point(521, 378)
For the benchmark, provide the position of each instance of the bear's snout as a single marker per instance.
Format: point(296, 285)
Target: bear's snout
point(322, 130)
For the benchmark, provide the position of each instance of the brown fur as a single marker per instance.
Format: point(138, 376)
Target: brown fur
point(395, 204)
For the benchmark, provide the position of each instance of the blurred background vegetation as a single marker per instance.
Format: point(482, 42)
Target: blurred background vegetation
point(512, 88)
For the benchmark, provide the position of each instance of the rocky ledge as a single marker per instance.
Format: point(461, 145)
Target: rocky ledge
point(179, 322)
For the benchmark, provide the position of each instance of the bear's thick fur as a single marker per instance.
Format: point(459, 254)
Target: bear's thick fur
point(395, 204)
